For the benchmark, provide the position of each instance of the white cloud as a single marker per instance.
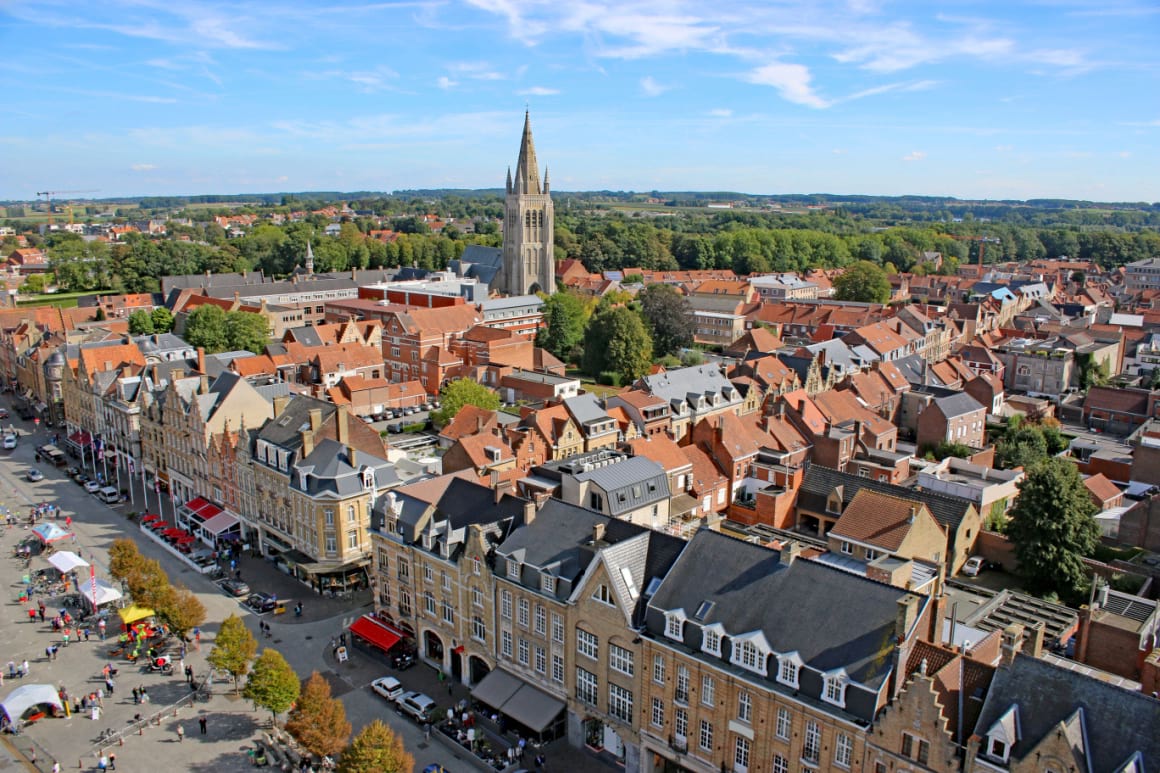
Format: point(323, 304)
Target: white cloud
point(839, 151)
point(143, 167)
point(915, 155)
point(480, 71)
point(282, 179)
point(792, 81)
point(1004, 148)
point(444, 82)
point(1125, 154)
point(538, 91)
point(721, 112)
point(651, 88)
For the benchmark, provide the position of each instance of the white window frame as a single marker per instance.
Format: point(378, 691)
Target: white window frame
point(744, 707)
point(505, 604)
point(741, 748)
point(750, 655)
point(675, 624)
point(587, 644)
point(478, 629)
point(784, 723)
point(587, 686)
point(659, 669)
point(834, 689)
point(705, 735)
point(620, 659)
point(505, 638)
point(620, 702)
point(541, 620)
point(658, 712)
point(788, 669)
point(812, 742)
point(843, 750)
point(708, 690)
point(523, 609)
point(711, 636)
point(557, 668)
point(557, 628)
point(603, 595)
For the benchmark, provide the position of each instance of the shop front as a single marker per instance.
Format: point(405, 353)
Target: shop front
point(522, 706)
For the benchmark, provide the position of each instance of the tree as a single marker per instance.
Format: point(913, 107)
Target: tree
point(376, 749)
point(1053, 528)
point(149, 585)
point(247, 331)
point(141, 323)
point(463, 392)
point(206, 327)
point(233, 649)
point(669, 317)
point(564, 318)
point(616, 341)
point(318, 720)
point(124, 558)
point(864, 282)
point(34, 284)
point(162, 320)
point(273, 684)
point(183, 612)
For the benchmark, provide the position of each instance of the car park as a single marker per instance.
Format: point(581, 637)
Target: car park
point(34, 476)
point(388, 686)
point(973, 566)
point(261, 602)
point(416, 705)
point(235, 588)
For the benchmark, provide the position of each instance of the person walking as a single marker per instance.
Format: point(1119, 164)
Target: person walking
point(201, 722)
point(101, 629)
point(112, 761)
point(180, 734)
point(24, 669)
point(102, 762)
point(109, 684)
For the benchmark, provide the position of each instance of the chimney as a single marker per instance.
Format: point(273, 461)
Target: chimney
point(352, 456)
point(341, 433)
point(204, 384)
point(907, 614)
point(1033, 645)
point(201, 359)
point(790, 551)
point(598, 532)
point(913, 514)
point(307, 442)
point(1011, 644)
point(315, 419)
point(529, 511)
point(280, 403)
point(495, 488)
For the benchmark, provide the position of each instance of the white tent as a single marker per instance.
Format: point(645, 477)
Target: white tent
point(106, 594)
point(20, 700)
point(65, 561)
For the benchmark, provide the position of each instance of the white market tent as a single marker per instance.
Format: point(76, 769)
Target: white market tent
point(65, 561)
point(25, 697)
point(106, 594)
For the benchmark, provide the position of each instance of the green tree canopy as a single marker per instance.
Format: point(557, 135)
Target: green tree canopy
point(318, 720)
point(272, 685)
point(376, 749)
point(233, 648)
point(463, 392)
point(1052, 527)
point(124, 558)
point(247, 331)
point(616, 341)
point(863, 282)
point(141, 323)
point(669, 317)
point(563, 331)
point(205, 327)
point(162, 320)
point(149, 585)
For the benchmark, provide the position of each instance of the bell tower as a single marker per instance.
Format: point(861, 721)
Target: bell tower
point(529, 263)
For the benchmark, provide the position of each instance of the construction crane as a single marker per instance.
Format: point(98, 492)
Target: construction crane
point(49, 194)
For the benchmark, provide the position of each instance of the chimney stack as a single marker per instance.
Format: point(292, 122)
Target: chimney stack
point(598, 532)
point(315, 419)
point(352, 456)
point(280, 403)
point(907, 614)
point(307, 442)
point(201, 359)
point(1011, 644)
point(341, 433)
point(790, 551)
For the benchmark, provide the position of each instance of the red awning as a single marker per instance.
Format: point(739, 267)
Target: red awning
point(458, 650)
point(81, 438)
point(375, 633)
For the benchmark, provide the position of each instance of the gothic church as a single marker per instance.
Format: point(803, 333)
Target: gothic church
point(529, 264)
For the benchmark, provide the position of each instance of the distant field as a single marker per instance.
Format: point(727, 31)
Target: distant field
point(64, 300)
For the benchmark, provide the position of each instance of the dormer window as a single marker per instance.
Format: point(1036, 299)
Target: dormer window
point(998, 749)
point(513, 569)
point(711, 639)
point(548, 584)
point(675, 625)
point(835, 688)
point(368, 478)
point(1003, 735)
point(748, 655)
point(787, 670)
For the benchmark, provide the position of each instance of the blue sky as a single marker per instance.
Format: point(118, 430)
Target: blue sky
point(970, 98)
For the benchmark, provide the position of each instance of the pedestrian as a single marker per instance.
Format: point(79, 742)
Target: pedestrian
point(109, 684)
point(101, 629)
point(32, 615)
point(86, 634)
point(56, 767)
point(201, 721)
point(180, 734)
point(112, 761)
point(65, 638)
point(189, 674)
point(136, 695)
point(523, 744)
point(103, 762)
point(24, 669)
point(100, 697)
point(427, 731)
point(48, 652)
point(40, 612)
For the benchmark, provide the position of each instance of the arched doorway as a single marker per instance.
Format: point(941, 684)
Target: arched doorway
point(535, 288)
point(457, 664)
point(477, 669)
point(433, 647)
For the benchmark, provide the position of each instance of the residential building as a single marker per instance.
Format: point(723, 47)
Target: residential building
point(955, 418)
point(630, 488)
point(693, 393)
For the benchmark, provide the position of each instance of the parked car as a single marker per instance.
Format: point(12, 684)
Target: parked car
point(109, 495)
point(202, 558)
point(3, 413)
point(235, 588)
point(34, 476)
point(388, 686)
point(416, 705)
point(80, 478)
point(261, 602)
point(395, 427)
point(10, 441)
point(973, 566)
point(92, 486)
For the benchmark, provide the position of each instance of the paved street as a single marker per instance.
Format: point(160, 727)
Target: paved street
point(232, 724)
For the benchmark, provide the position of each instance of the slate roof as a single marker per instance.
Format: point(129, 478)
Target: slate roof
point(330, 473)
point(832, 619)
point(959, 404)
point(819, 481)
point(631, 483)
point(285, 429)
point(1116, 722)
point(585, 409)
point(676, 385)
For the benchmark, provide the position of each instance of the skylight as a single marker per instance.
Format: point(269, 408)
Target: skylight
point(626, 574)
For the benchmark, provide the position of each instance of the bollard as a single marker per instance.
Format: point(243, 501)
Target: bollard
point(140, 729)
point(80, 764)
point(120, 740)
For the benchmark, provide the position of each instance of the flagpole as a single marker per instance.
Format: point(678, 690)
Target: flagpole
point(132, 496)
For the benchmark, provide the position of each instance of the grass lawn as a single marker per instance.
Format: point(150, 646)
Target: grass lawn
point(64, 300)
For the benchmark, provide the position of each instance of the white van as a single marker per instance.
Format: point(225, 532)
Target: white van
point(109, 495)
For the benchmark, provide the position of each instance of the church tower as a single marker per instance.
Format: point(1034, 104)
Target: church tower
point(529, 263)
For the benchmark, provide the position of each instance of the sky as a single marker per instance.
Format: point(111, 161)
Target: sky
point(977, 99)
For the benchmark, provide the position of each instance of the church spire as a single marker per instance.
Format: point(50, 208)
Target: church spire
point(546, 186)
point(309, 258)
point(527, 171)
point(509, 180)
